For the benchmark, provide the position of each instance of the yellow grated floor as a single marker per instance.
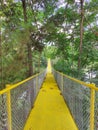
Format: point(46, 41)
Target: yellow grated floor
point(50, 111)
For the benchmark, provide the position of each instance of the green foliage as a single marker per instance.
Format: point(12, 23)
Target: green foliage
point(49, 23)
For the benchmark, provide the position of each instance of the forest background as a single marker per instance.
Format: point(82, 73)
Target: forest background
point(33, 30)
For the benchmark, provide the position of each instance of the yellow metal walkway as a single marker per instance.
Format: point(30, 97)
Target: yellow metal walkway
point(50, 111)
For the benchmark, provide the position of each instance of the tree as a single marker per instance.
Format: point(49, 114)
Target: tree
point(81, 35)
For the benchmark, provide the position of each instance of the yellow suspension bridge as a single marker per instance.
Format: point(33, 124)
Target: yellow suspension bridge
point(49, 101)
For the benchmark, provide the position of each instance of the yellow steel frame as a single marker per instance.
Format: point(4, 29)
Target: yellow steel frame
point(92, 97)
point(18, 84)
point(91, 86)
point(8, 101)
point(92, 104)
point(9, 109)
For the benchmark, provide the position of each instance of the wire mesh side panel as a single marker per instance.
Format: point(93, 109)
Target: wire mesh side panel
point(96, 111)
point(3, 112)
point(21, 104)
point(78, 100)
point(40, 79)
point(22, 100)
point(58, 78)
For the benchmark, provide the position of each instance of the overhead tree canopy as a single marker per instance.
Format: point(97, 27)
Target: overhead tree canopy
point(66, 31)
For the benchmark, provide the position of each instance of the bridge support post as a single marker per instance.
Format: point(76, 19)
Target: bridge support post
point(9, 109)
point(92, 104)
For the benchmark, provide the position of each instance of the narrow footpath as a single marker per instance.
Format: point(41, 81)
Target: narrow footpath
point(50, 111)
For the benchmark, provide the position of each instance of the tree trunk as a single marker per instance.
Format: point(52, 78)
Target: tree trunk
point(30, 71)
point(81, 37)
point(29, 47)
point(24, 10)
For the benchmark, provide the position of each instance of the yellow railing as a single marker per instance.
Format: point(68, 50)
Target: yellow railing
point(16, 102)
point(82, 99)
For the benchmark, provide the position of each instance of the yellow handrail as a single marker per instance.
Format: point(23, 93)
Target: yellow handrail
point(92, 86)
point(17, 84)
point(19, 98)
